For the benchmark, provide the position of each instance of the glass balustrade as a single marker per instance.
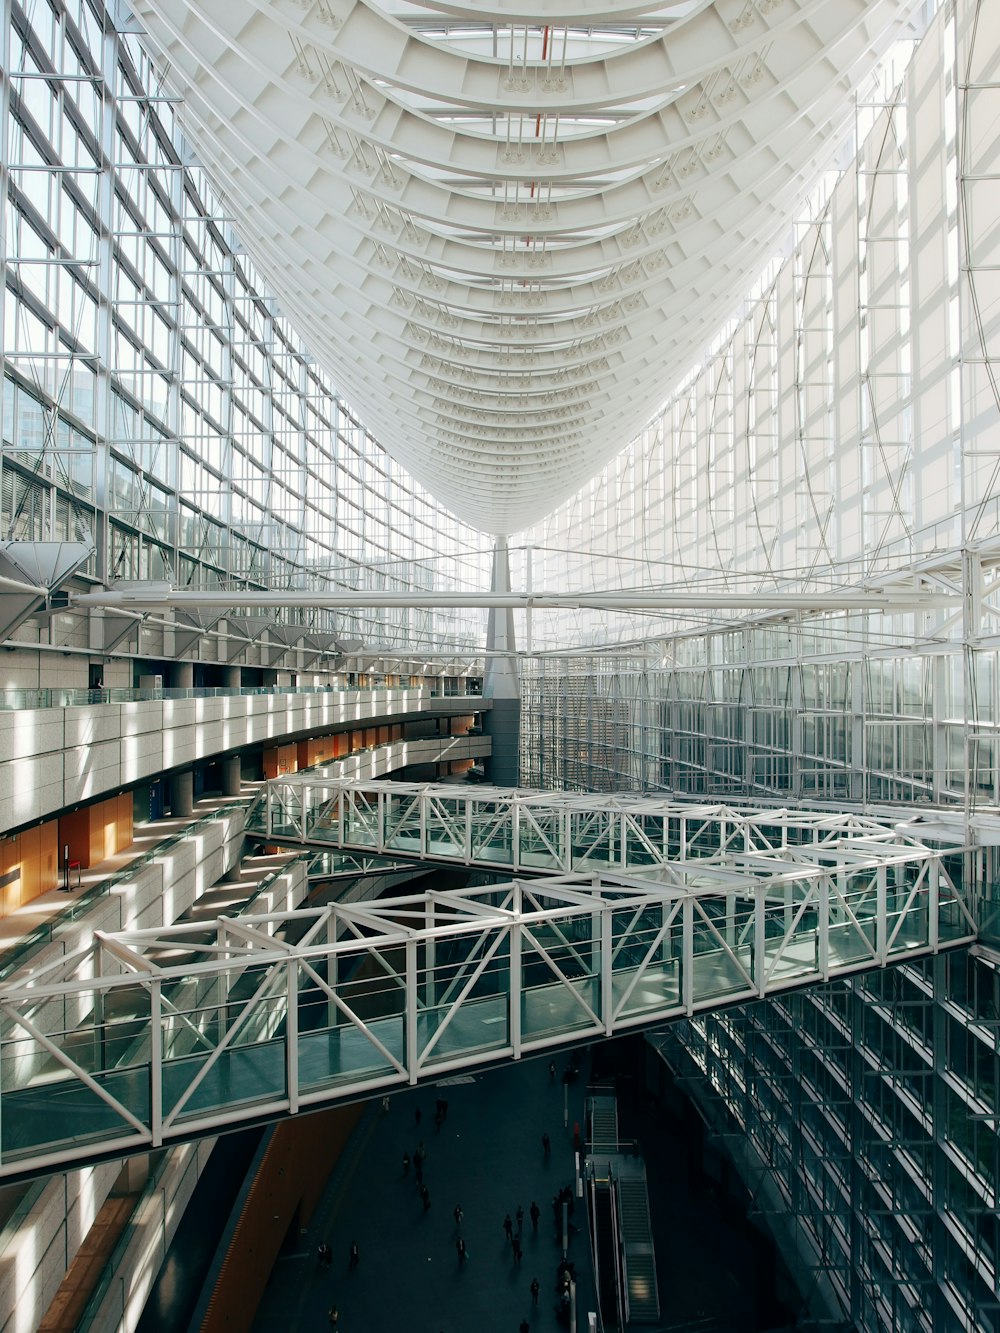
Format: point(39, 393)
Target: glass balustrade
point(200, 1033)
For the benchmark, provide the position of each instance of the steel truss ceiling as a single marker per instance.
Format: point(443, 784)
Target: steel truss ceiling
point(508, 233)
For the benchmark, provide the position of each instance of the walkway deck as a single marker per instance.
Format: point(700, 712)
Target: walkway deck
point(157, 1036)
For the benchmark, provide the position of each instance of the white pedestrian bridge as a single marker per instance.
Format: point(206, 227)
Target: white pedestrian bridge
point(639, 911)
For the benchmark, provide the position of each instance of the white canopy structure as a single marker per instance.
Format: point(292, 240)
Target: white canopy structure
point(508, 233)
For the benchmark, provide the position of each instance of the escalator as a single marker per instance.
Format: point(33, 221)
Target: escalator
point(605, 1252)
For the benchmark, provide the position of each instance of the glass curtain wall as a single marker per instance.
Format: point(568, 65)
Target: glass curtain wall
point(154, 398)
point(844, 431)
point(841, 434)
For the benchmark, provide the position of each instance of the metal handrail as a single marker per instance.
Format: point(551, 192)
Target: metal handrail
point(621, 1285)
point(594, 1254)
point(59, 697)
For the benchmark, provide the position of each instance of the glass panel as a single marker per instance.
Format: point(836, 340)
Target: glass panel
point(791, 935)
point(715, 969)
point(492, 832)
point(650, 978)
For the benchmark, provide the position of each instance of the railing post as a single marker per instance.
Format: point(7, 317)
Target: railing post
point(880, 911)
point(410, 1000)
point(607, 973)
point(934, 903)
point(687, 955)
point(823, 927)
point(514, 987)
point(430, 953)
point(759, 937)
point(292, 1036)
point(332, 969)
point(156, 1063)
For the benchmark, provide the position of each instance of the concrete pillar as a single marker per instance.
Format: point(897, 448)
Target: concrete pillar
point(231, 775)
point(182, 794)
point(182, 676)
point(232, 677)
point(234, 874)
point(502, 723)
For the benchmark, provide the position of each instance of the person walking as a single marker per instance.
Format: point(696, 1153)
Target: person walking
point(518, 1252)
point(534, 1289)
point(406, 1164)
point(417, 1116)
point(546, 1145)
point(355, 1258)
point(463, 1252)
point(425, 1197)
point(552, 1071)
point(519, 1218)
point(535, 1213)
point(333, 1316)
point(418, 1169)
point(508, 1229)
point(525, 1327)
point(458, 1215)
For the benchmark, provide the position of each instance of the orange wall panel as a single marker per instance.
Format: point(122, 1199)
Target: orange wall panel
point(125, 821)
point(48, 856)
point(10, 866)
point(74, 832)
point(31, 859)
point(280, 759)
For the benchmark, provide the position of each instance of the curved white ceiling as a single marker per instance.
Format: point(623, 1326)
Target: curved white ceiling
point(507, 231)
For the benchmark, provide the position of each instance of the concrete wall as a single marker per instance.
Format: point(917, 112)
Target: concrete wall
point(53, 758)
point(38, 1243)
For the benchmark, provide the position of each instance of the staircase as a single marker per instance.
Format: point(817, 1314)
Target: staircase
point(602, 1115)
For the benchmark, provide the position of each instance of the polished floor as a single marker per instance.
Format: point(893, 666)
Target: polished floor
point(487, 1157)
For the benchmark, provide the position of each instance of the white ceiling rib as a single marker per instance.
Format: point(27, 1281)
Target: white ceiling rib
point(507, 233)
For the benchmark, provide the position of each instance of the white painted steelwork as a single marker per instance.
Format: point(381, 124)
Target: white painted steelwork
point(153, 1036)
point(563, 832)
point(506, 234)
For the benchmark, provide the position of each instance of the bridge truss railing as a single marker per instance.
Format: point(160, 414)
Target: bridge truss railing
point(547, 832)
point(148, 1037)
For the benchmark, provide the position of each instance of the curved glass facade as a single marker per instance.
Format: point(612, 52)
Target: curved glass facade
point(840, 433)
point(155, 398)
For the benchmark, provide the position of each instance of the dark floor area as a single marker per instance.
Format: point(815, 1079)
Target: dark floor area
point(488, 1157)
point(715, 1270)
